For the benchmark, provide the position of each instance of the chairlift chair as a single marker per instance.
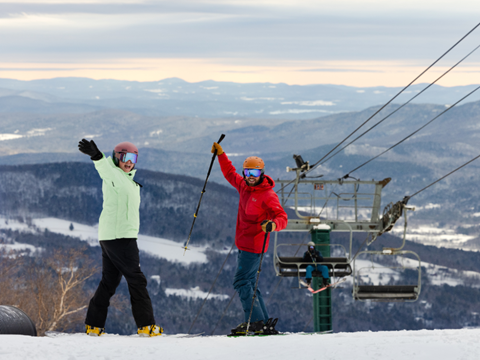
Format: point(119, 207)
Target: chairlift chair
point(294, 266)
point(388, 293)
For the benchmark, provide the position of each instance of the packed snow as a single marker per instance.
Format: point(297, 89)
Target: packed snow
point(370, 272)
point(163, 248)
point(19, 248)
point(4, 137)
point(433, 235)
point(194, 293)
point(395, 345)
point(173, 251)
point(298, 111)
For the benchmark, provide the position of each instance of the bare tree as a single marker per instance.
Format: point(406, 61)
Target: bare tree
point(58, 293)
point(50, 289)
point(12, 286)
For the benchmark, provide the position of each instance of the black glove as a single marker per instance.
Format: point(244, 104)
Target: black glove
point(90, 148)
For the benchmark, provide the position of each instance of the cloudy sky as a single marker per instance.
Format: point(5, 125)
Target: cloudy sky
point(350, 42)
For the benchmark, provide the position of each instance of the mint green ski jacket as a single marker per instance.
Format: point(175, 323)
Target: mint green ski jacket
point(120, 217)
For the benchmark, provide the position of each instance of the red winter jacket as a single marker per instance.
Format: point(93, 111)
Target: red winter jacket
point(257, 203)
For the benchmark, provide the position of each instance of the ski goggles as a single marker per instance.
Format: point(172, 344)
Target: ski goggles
point(252, 172)
point(310, 247)
point(124, 157)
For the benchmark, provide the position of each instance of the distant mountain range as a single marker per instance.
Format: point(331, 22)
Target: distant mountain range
point(208, 99)
point(33, 133)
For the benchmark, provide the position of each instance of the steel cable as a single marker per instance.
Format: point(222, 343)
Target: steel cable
point(401, 91)
point(409, 136)
point(400, 107)
point(443, 177)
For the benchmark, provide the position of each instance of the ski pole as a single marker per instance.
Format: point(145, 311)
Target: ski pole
point(201, 196)
point(269, 229)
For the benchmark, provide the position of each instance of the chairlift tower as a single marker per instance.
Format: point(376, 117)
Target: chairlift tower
point(325, 206)
point(322, 301)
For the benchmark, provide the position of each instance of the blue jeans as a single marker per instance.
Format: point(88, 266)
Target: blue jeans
point(322, 268)
point(244, 284)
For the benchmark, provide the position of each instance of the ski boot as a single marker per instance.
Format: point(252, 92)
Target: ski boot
point(308, 281)
point(151, 330)
point(255, 328)
point(94, 331)
point(269, 327)
point(325, 282)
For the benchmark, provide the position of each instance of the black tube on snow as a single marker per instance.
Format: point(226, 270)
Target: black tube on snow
point(14, 321)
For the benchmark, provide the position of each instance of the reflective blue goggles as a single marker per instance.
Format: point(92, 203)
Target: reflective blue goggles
point(124, 157)
point(311, 247)
point(252, 172)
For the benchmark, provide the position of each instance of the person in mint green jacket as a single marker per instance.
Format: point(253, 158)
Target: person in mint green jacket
point(117, 232)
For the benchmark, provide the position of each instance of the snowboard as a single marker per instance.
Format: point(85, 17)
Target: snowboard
point(309, 287)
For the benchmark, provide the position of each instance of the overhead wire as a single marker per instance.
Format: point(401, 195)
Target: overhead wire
point(401, 91)
point(408, 197)
point(327, 200)
point(284, 186)
point(312, 167)
point(443, 177)
point(400, 107)
point(413, 133)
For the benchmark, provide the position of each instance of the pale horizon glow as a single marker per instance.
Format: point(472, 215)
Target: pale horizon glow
point(350, 73)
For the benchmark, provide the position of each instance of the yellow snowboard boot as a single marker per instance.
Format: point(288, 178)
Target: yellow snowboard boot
point(94, 331)
point(151, 330)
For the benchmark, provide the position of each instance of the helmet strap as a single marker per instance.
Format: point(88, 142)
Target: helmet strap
point(115, 159)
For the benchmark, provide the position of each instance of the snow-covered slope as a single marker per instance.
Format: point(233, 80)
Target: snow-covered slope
point(369, 272)
point(395, 345)
point(163, 248)
point(173, 251)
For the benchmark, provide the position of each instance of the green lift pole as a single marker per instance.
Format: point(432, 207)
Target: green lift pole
point(322, 301)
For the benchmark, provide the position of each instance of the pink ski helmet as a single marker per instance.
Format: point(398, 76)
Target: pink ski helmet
point(121, 150)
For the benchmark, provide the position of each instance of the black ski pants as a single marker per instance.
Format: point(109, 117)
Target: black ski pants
point(120, 257)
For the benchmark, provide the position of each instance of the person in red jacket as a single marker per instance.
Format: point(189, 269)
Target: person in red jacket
point(258, 206)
